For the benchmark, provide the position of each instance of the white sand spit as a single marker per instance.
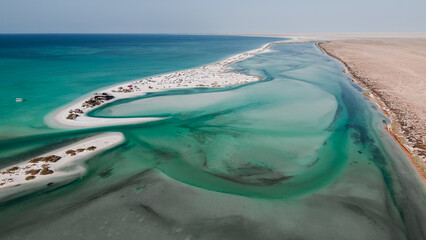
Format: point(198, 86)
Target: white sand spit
point(213, 75)
point(55, 168)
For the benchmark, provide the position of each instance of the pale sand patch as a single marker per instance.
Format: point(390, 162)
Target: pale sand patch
point(393, 69)
point(66, 169)
point(218, 74)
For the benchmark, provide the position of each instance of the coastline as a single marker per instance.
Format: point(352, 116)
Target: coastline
point(64, 165)
point(381, 103)
point(217, 74)
point(212, 75)
point(55, 168)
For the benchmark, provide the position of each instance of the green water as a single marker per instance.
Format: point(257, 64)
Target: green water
point(300, 155)
point(51, 70)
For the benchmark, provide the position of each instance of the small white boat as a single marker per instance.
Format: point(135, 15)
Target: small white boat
point(19, 99)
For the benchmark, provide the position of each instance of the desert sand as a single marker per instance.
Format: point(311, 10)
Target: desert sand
point(393, 71)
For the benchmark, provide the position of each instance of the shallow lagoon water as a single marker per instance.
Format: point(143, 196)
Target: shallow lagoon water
point(299, 155)
point(51, 70)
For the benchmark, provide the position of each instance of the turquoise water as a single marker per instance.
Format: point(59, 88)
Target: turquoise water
point(52, 70)
point(300, 155)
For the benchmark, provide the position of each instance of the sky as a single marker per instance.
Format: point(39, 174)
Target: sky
point(214, 16)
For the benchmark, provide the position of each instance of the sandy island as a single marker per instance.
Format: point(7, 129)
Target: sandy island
point(57, 167)
point(218, 74)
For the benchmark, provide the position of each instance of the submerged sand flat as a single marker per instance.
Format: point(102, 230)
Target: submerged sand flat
point(393, 69)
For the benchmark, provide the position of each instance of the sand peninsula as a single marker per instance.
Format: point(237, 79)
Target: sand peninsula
point(54, 168)
point(217, 74)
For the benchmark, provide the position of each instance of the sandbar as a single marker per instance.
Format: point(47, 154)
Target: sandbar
point(218, 74)
point(57, 167)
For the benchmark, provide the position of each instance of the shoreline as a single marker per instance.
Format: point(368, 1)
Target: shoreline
point(217, 74)
point(55, 168)
point(64, 165)
point(374, 97)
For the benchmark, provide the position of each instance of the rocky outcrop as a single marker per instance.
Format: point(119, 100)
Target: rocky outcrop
point(11, 170)
point(70, 152)
point(72, 116)
point(97, 100)
point(50, 158)
point(32, 172)
point(30, 178)
point(77, 110)
point(46, 171)
point(91, 148)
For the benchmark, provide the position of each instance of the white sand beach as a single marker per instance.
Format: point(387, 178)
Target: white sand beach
point(218, 74)
point(60, 166)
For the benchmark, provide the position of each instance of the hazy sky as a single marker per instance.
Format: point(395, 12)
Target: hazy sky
point(215, 16)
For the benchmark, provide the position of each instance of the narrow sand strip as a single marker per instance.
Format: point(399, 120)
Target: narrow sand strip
point(56, 168)
point(213, 75)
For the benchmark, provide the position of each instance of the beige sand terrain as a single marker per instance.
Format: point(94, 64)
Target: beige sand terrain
point(393, 70)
